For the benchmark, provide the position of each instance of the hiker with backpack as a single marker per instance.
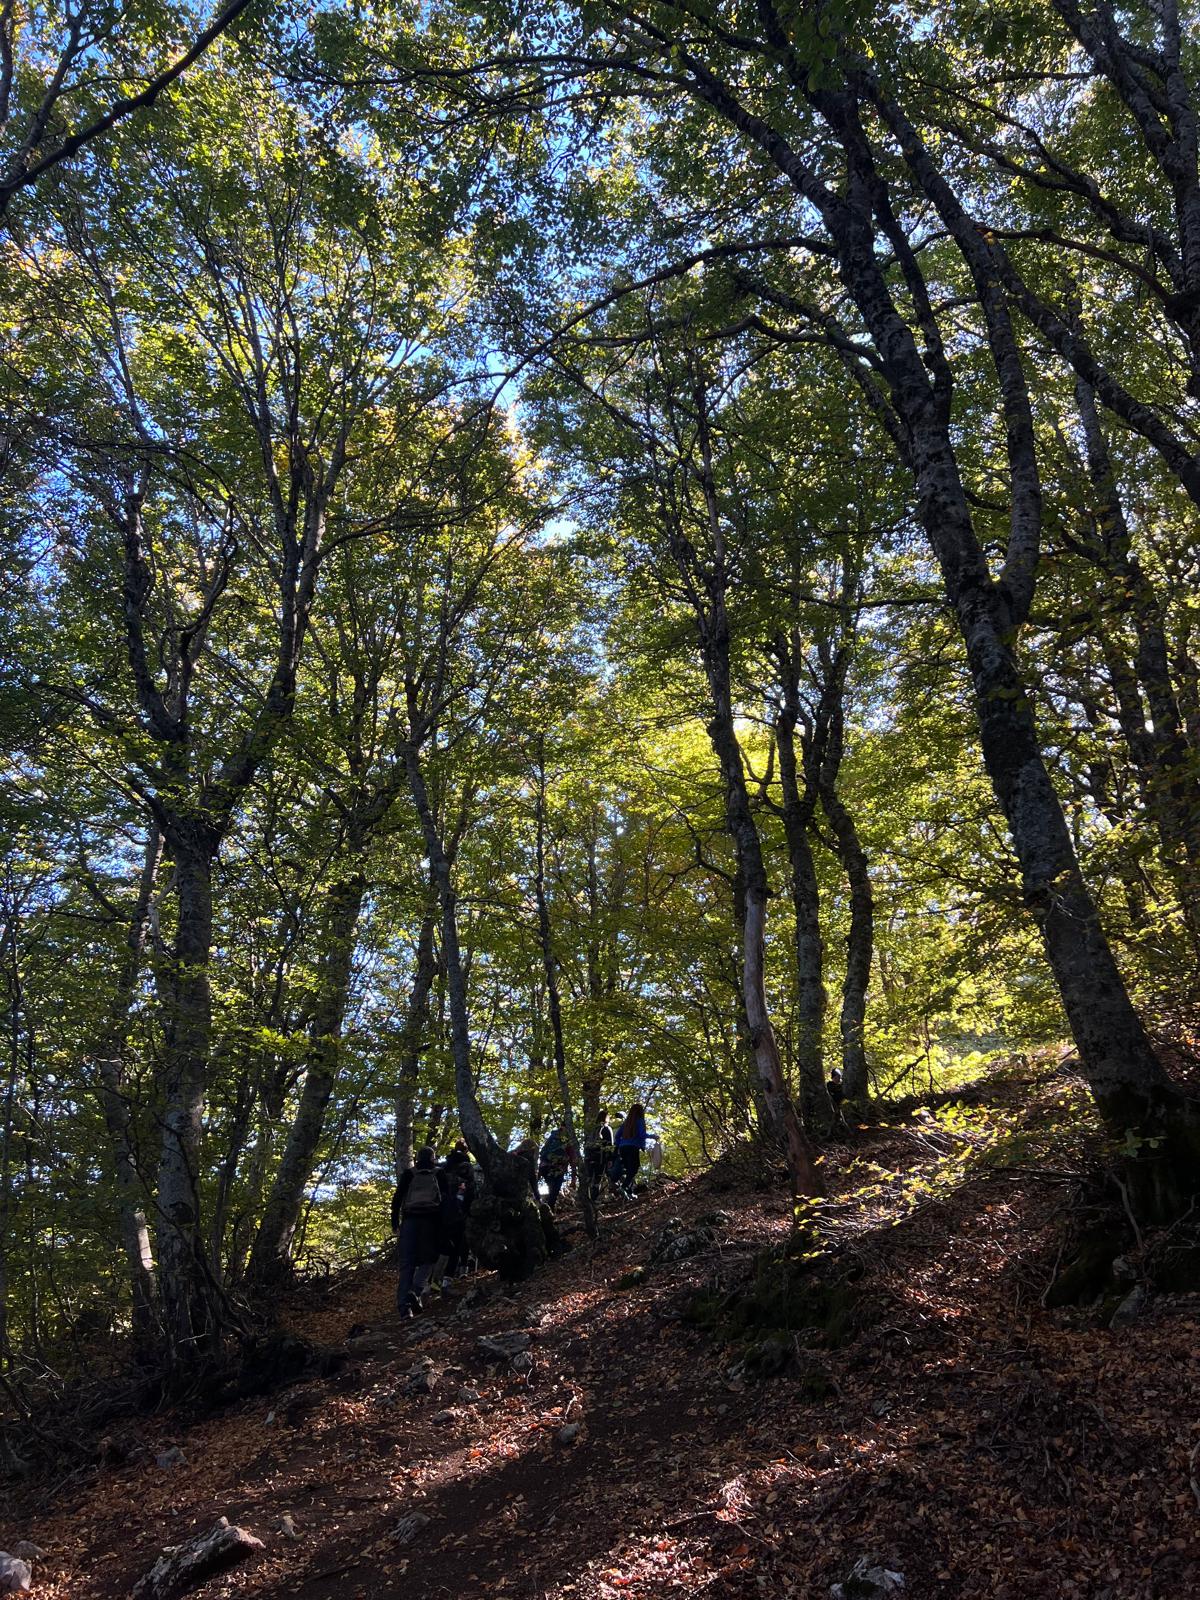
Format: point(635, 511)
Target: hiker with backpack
point(458, 1193)
point(417, 1223)
point(598, 1154)
point(630, 1142)
point(552, 1165)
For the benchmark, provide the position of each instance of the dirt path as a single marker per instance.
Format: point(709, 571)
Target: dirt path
point(969, 1438)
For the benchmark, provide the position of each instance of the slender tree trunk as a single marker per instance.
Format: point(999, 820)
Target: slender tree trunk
point(424, 972)
point(8, 1106)
point(256, 1177)
point(270, 1257)
point(1134, 1095)
point(707, 584)
point(475, 1131)
point(433, 1123)
point(859, 947)
point(236, 1134)
point(816, 1107)
point(1131, 1089)
point(115, 1102)
point(550, 967)
point(188, 1312)
point(1160, 751)
point(516, 1214)
point(783, 1118)
point(598, 989)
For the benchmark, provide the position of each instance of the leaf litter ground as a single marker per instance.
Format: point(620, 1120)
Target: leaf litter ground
point(971, 1439)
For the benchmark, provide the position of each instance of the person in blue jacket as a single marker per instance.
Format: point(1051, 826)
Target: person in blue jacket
point(631, 1141)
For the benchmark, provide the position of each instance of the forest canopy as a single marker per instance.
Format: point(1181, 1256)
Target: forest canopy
point(563, 556)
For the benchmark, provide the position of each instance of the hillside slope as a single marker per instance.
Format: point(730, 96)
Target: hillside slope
point(965, 1435)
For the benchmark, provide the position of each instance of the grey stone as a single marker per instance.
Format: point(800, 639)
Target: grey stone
point(407, 1529)
point(441, 1419)
point(173, 1456)
point(28, 1551)
point(422, 1377)
point(468, 1396)
point(15, 1576)
point(502, 1346)
point(185, 1566)
point(287, 1526)
point(868, 1580)
point(568, 1433)
point(522, 1362)
point(1131, 1307)
point(674, 1242)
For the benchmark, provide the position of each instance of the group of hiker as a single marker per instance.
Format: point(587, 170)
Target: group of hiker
point(429, 1218)
point(432, 1201)
point(609, 1154)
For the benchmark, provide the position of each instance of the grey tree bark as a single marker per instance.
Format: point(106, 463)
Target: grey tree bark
point(415, 1022)
point(270, 1256)
point(110, 1062)
point(553, 1000)
point(1132, 1091)
point(860, 942)
point(712, 624)
point(521, 1245)
point(799, 800)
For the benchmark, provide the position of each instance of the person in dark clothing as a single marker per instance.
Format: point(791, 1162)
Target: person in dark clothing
point(552, 1165)
point(836, 1093)
point(631, 1141)
point(458, 1177)
point(417, 1223)
point(598, 1154)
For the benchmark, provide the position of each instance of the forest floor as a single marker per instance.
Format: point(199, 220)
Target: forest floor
point(965, 1436)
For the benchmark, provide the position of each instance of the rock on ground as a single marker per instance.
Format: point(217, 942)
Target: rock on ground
point(184, 1566)
point(502, 1346)
point(407, 1529)
point(868, 1580)
point(422, 1377)
point(15, 1576)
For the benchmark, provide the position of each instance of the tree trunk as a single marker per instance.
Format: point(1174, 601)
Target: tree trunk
point(115, 1103)
point(816, 1107)
point(424, 973)
point(859, 947)
point(550, 967)
point(270, 1258)
point(256, 1177)
point(1132, 1091)
point(433, 1124)
point(185, 1292)
point(1160, 751)
point(784, 1121)
point(506, 1224)
point(707, 585)
point(237, 1132)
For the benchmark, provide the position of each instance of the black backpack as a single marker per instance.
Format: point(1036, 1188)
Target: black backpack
point(424, 1197)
